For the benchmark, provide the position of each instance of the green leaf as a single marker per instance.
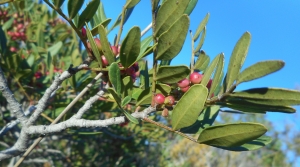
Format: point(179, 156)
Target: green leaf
point(22, 73)
point(192, 4)
point(167, 14)
point(202, 61)
point(144, 76)
point(127, 86)
point(88, 12)
point(201, 27)
point(115, 77)
point(231, 135)
point(8, 24)
point(218, 75)
point(189, 107)
point(94, 46)
point(115, 95)
point(74, 7)
point(252, 145)
point(209, 71)
point(237, 59)
point(154, 4)
point(259, 70)
point(130, 48)
point(252, 107)
point(206, 119)
point(58, 3)
point(144, 46)
point(104, 24)
point(172, 74)
point(101, 13)
point(49, 60)
point(131, 3)
point(54, 49)
point(200, 44)
point(3, 41)
point(130, 117)
point(171, 41)
point(125, 101)
point(105, 45)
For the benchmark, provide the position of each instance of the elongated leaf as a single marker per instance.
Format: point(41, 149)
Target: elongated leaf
point(144, 46)
point(251, 107)
point(203, 35)
point(8, 24)
point(54, 49)
point(130, 117)
point(259, 70)
point(104, 24)
point(130, 48)
point(22, 73)
point(172, 74)
point(105, 45)
point(202, 61)
point(88, 13)
point(171, 41)
point(101, 13)
point(144, 76)
point(206, 119)
point(131, 3)
point(189, 107)
point(94, 46)
point(201, 27)
point(115, 77)
point(209, 71)
point(3, 41)
point(74, 7)
point(127, 86)
point(231, 135)
point(115, 95)
point(218, 75)
point(58, 3)
point(288, 97)
point(237, 59)
point(125, 101)
point(167, 14)
point(192, 4)
point(252, 145)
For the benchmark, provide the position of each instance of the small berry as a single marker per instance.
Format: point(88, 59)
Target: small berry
point(104, 61)
point(169, 101)
point(98, 43)
point(83, 32)
point(196, 78)
point(165, 112)
point(13, 49)
point(159, 98)
point(38, 75)
point(183, 83)
point(185, 89)
point(114, 50)
point(136, 66)
point(209, 84)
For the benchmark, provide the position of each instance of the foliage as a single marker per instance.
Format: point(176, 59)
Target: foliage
point(37, 46)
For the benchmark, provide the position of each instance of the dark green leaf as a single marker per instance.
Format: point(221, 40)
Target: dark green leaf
point(231, 135)
point(130, 47)
point(144, 46)
point(115, 95)
point(58, 3)
point(217, 76)
point(130, 117)
point(171, 41)
point(115, 77)
point(94, 46)
point(202, 61)
point(252, 145)
point(104, 24)
point(3, 41)
point(167, 14)
point(49, 60)
point(259, 70)
point(201, 27)
point(144, 76)
point(209, 71)
point(206, 119)
point(8, 24)
point(88, 12)
point(105, 45)
point(189, 107)
point(22, 73)
point(237, 59)
point(127, 86)
point(190, 7)
point(172, 74)
point(74, 7)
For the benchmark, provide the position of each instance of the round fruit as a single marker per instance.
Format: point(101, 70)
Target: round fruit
point(195, 78)
point(104, 61)
point(169, 101)
point(159, 98)
point(183, 83)
point(165, 112)
point(114, 50)
point(185, 89)
point(83, 32)
point(98, 43)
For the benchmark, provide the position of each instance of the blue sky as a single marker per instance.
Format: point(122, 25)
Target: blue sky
point(273, 24)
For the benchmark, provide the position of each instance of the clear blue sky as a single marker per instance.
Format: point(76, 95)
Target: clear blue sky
point(275, 29)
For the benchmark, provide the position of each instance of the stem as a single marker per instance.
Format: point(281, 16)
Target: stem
point(121, 26)
point(36, 142)
point(193, 53)
point(170, 129)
